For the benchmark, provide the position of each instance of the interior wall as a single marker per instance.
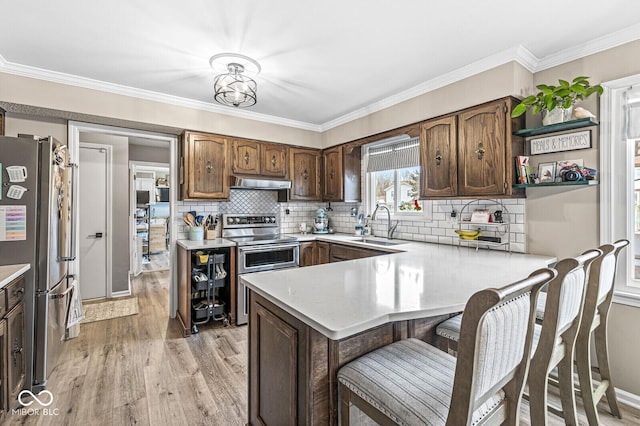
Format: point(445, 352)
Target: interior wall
point(152, 154)
point(508, 79)
point(15, 124)
point(46, 94)
point(120, 206)
point(565, 222)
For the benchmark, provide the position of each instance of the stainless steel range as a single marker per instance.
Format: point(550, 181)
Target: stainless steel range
point(261, 247)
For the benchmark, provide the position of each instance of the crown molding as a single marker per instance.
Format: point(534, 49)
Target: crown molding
point(609, 41)
point(88, 83)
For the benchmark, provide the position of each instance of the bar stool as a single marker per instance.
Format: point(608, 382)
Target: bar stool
point(411, 382)
point(594, 323)
point(554, 340)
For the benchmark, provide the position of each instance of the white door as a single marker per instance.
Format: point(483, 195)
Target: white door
point(92, 197)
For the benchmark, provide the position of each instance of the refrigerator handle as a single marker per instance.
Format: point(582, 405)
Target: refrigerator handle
point(72, 232)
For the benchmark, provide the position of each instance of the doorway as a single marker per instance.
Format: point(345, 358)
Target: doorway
point(94, 220)
point(95, 133)
point(150, 216)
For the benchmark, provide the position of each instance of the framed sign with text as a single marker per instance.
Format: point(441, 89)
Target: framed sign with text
point(559, 143)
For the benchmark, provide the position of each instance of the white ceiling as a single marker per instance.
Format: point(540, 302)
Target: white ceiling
point(323, 62)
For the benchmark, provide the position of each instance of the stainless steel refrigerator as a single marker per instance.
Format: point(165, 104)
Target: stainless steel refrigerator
point(36, 225)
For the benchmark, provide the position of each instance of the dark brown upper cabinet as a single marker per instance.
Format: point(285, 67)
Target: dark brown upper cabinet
point(304, 168)
point(274, 160)
point(246, 157)
point(204, 173)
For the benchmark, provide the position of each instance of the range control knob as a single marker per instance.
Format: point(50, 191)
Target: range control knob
point(229, 220)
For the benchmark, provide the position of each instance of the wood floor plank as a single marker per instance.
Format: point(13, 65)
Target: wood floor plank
point(138, 370)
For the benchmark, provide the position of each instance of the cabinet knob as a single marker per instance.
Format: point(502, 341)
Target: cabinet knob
point(480, 151)
point(209, 167)
point(246, 158)
point(438, 157)
point(18, 291)
point(305, 175)
point(273, 161)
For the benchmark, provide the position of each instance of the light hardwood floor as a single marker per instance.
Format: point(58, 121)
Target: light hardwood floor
point(138, 370)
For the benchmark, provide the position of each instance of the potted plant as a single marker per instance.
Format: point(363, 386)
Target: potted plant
point(556, 102)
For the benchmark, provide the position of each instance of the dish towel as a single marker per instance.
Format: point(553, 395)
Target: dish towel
point(75, 312)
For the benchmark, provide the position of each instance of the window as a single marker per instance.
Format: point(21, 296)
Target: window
point(393, 176)
point(620, 182)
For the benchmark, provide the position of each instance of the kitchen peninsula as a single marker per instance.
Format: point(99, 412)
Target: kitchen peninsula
point(306, 323)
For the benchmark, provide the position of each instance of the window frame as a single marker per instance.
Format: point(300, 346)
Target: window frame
point(617, 189)
point(368, 199)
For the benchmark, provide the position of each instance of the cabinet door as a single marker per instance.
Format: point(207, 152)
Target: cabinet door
point(274, 160)
point(438, 158)
point(332, 188)
point(324, 250)
point(308, 254)
point(205, 174)
point(481, 150)
point(246, 157)
point(15, 352)
point(4, 402)
point(304, 165)
point(340, 252)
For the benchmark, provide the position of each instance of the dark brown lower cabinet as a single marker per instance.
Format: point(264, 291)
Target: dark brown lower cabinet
point(293, 367)
point(15, 353)
point(4, 401)
point(12, 345)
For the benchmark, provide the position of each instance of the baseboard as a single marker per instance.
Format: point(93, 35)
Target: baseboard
point(628, 398)
point(122, 293)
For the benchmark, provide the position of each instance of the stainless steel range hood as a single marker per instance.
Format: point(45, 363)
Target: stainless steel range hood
point(239, 182)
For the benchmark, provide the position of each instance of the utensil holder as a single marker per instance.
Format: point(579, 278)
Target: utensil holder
point(196, 233)
point(210, 234)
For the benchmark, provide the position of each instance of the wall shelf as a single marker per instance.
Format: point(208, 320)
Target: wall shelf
point(558, 127)
point(571, 183)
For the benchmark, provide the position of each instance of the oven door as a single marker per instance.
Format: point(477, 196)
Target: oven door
point(267, 257)
point(261, 258)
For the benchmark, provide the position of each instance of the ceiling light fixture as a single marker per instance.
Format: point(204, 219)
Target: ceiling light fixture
point(234, 86)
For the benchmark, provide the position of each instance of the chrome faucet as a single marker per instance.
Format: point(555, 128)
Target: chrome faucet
point(390, 228)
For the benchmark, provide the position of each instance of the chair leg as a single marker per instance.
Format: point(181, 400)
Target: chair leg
point(345, 401)
point(585, 378)
point(602, 353)
point(567, 395)
point(538, 387)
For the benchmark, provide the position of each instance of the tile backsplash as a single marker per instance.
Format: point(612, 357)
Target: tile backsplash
point(437, 226)
point(240, 201)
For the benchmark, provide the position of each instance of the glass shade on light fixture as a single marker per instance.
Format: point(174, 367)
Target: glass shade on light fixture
point(234, 88)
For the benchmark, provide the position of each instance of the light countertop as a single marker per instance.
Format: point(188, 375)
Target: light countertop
point(205, 244)
point(10, 272)
point(345, 298)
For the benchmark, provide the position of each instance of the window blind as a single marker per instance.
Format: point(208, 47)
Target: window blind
point(394, 156)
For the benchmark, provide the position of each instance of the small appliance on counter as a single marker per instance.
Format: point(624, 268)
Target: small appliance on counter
point(321, 222)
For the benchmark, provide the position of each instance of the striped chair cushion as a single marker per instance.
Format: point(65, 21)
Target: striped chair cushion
point(409, 381)
point(542, 302)
point(450, 329)
point(607, 272)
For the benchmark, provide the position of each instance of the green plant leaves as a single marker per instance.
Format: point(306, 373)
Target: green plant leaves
point(564, 95)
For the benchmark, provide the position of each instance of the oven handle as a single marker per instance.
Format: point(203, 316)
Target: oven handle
point(266, 247)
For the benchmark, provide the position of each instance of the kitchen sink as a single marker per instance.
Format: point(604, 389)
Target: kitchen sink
point(377, 242)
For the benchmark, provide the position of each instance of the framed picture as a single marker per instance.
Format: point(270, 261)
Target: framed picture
point(547, 172)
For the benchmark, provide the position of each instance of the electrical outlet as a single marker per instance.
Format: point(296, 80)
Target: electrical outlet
point(287, 211)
